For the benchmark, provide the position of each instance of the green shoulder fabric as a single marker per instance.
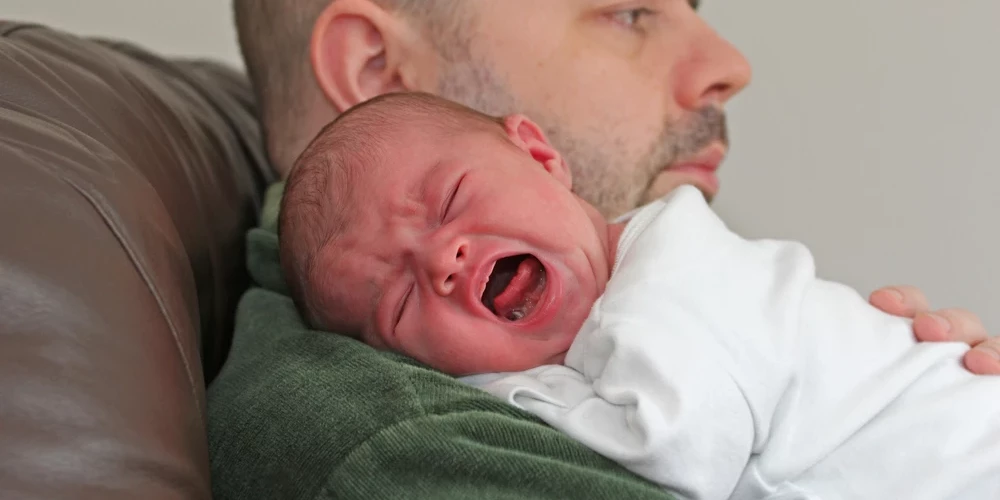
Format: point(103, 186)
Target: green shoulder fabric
point(262, 244)
point(302, 415)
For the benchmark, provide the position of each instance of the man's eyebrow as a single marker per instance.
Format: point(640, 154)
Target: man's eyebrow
point(695, 4)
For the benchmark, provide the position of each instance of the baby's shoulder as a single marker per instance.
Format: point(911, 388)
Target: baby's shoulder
point(678, 250)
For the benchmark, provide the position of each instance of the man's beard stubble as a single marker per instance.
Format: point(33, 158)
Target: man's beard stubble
point(598, 175)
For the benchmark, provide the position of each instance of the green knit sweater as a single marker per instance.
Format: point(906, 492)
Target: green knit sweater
point(300, 414)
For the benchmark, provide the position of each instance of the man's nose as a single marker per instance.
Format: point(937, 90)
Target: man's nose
point(445, 262)
point(713, 72)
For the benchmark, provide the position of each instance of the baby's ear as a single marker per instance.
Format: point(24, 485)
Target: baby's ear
point(528, 136)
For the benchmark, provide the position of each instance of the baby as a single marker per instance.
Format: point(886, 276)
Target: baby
point(715, 366)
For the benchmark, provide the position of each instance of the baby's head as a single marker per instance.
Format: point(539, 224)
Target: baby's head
point(430, 229)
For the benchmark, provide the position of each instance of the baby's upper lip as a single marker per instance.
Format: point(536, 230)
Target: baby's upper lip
point(481, 277)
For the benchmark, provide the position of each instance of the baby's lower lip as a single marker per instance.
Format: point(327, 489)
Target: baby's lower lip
point(514, 287)
point(545, 300)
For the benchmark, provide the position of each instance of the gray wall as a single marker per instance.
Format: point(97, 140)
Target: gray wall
point(870, 133)
point(867, 132)
point(179, 27)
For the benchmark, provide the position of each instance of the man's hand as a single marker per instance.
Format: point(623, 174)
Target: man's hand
point(951, 325)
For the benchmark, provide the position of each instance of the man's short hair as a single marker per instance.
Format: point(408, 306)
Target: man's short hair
point(274, 38)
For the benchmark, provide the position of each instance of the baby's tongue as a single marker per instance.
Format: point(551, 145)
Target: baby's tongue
point(522, 294)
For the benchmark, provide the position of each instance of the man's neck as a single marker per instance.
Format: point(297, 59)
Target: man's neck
point(288, 142)
point(285, 156)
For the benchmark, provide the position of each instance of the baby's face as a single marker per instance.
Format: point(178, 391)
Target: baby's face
point(471, 254)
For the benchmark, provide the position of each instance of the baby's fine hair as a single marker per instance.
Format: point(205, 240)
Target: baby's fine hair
point(319, 201)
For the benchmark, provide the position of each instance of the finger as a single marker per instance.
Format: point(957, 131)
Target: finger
point(984, 359)
point(905, 301)
point(949, 325)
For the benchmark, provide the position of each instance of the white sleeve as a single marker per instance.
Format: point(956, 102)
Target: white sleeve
point(678, 421)
point(854, 361)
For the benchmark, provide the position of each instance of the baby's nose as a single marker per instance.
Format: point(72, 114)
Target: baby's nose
point(446, 266)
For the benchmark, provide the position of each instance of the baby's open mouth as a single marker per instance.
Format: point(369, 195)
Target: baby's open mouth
point(515, 287)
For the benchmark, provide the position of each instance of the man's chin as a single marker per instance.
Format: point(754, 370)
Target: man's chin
point(668, 181)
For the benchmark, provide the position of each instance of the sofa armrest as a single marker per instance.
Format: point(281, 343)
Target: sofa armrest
point(126, 185)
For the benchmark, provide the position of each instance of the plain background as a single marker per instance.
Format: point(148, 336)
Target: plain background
point(868, 132)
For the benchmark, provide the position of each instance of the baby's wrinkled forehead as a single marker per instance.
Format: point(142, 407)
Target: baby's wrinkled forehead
point(366, 167)
point(359, 263)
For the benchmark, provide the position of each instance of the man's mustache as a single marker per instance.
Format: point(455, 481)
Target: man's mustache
point(704, 128)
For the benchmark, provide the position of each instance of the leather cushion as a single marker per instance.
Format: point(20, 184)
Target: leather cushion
point(127, 183)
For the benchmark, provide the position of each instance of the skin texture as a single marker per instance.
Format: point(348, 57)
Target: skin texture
point(658, 73)
point(441, 210)
point(651, 68)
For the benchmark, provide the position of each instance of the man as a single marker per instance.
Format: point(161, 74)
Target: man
point(654, 68)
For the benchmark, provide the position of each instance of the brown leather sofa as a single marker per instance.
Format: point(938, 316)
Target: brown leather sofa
point(127, 183)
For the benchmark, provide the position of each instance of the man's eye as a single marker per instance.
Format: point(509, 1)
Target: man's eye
point(631, 17)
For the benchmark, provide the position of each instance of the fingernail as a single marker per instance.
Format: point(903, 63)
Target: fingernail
point(945, 325)
point(896, 294)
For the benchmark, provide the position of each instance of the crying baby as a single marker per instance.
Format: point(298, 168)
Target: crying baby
point(450, 236)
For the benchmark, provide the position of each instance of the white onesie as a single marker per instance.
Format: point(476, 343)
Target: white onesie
point(720, 367)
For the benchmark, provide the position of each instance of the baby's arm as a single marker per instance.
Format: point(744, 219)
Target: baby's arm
point(854, 360)
point(679, 422)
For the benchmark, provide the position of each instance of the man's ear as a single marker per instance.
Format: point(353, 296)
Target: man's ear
point(528, 136)
point(357, 51)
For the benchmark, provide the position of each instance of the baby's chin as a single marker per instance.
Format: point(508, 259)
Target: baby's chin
point(557, 359)
point(513, 366)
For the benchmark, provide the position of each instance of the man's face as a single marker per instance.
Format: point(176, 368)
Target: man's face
point(631, 92)
point(468, 255)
